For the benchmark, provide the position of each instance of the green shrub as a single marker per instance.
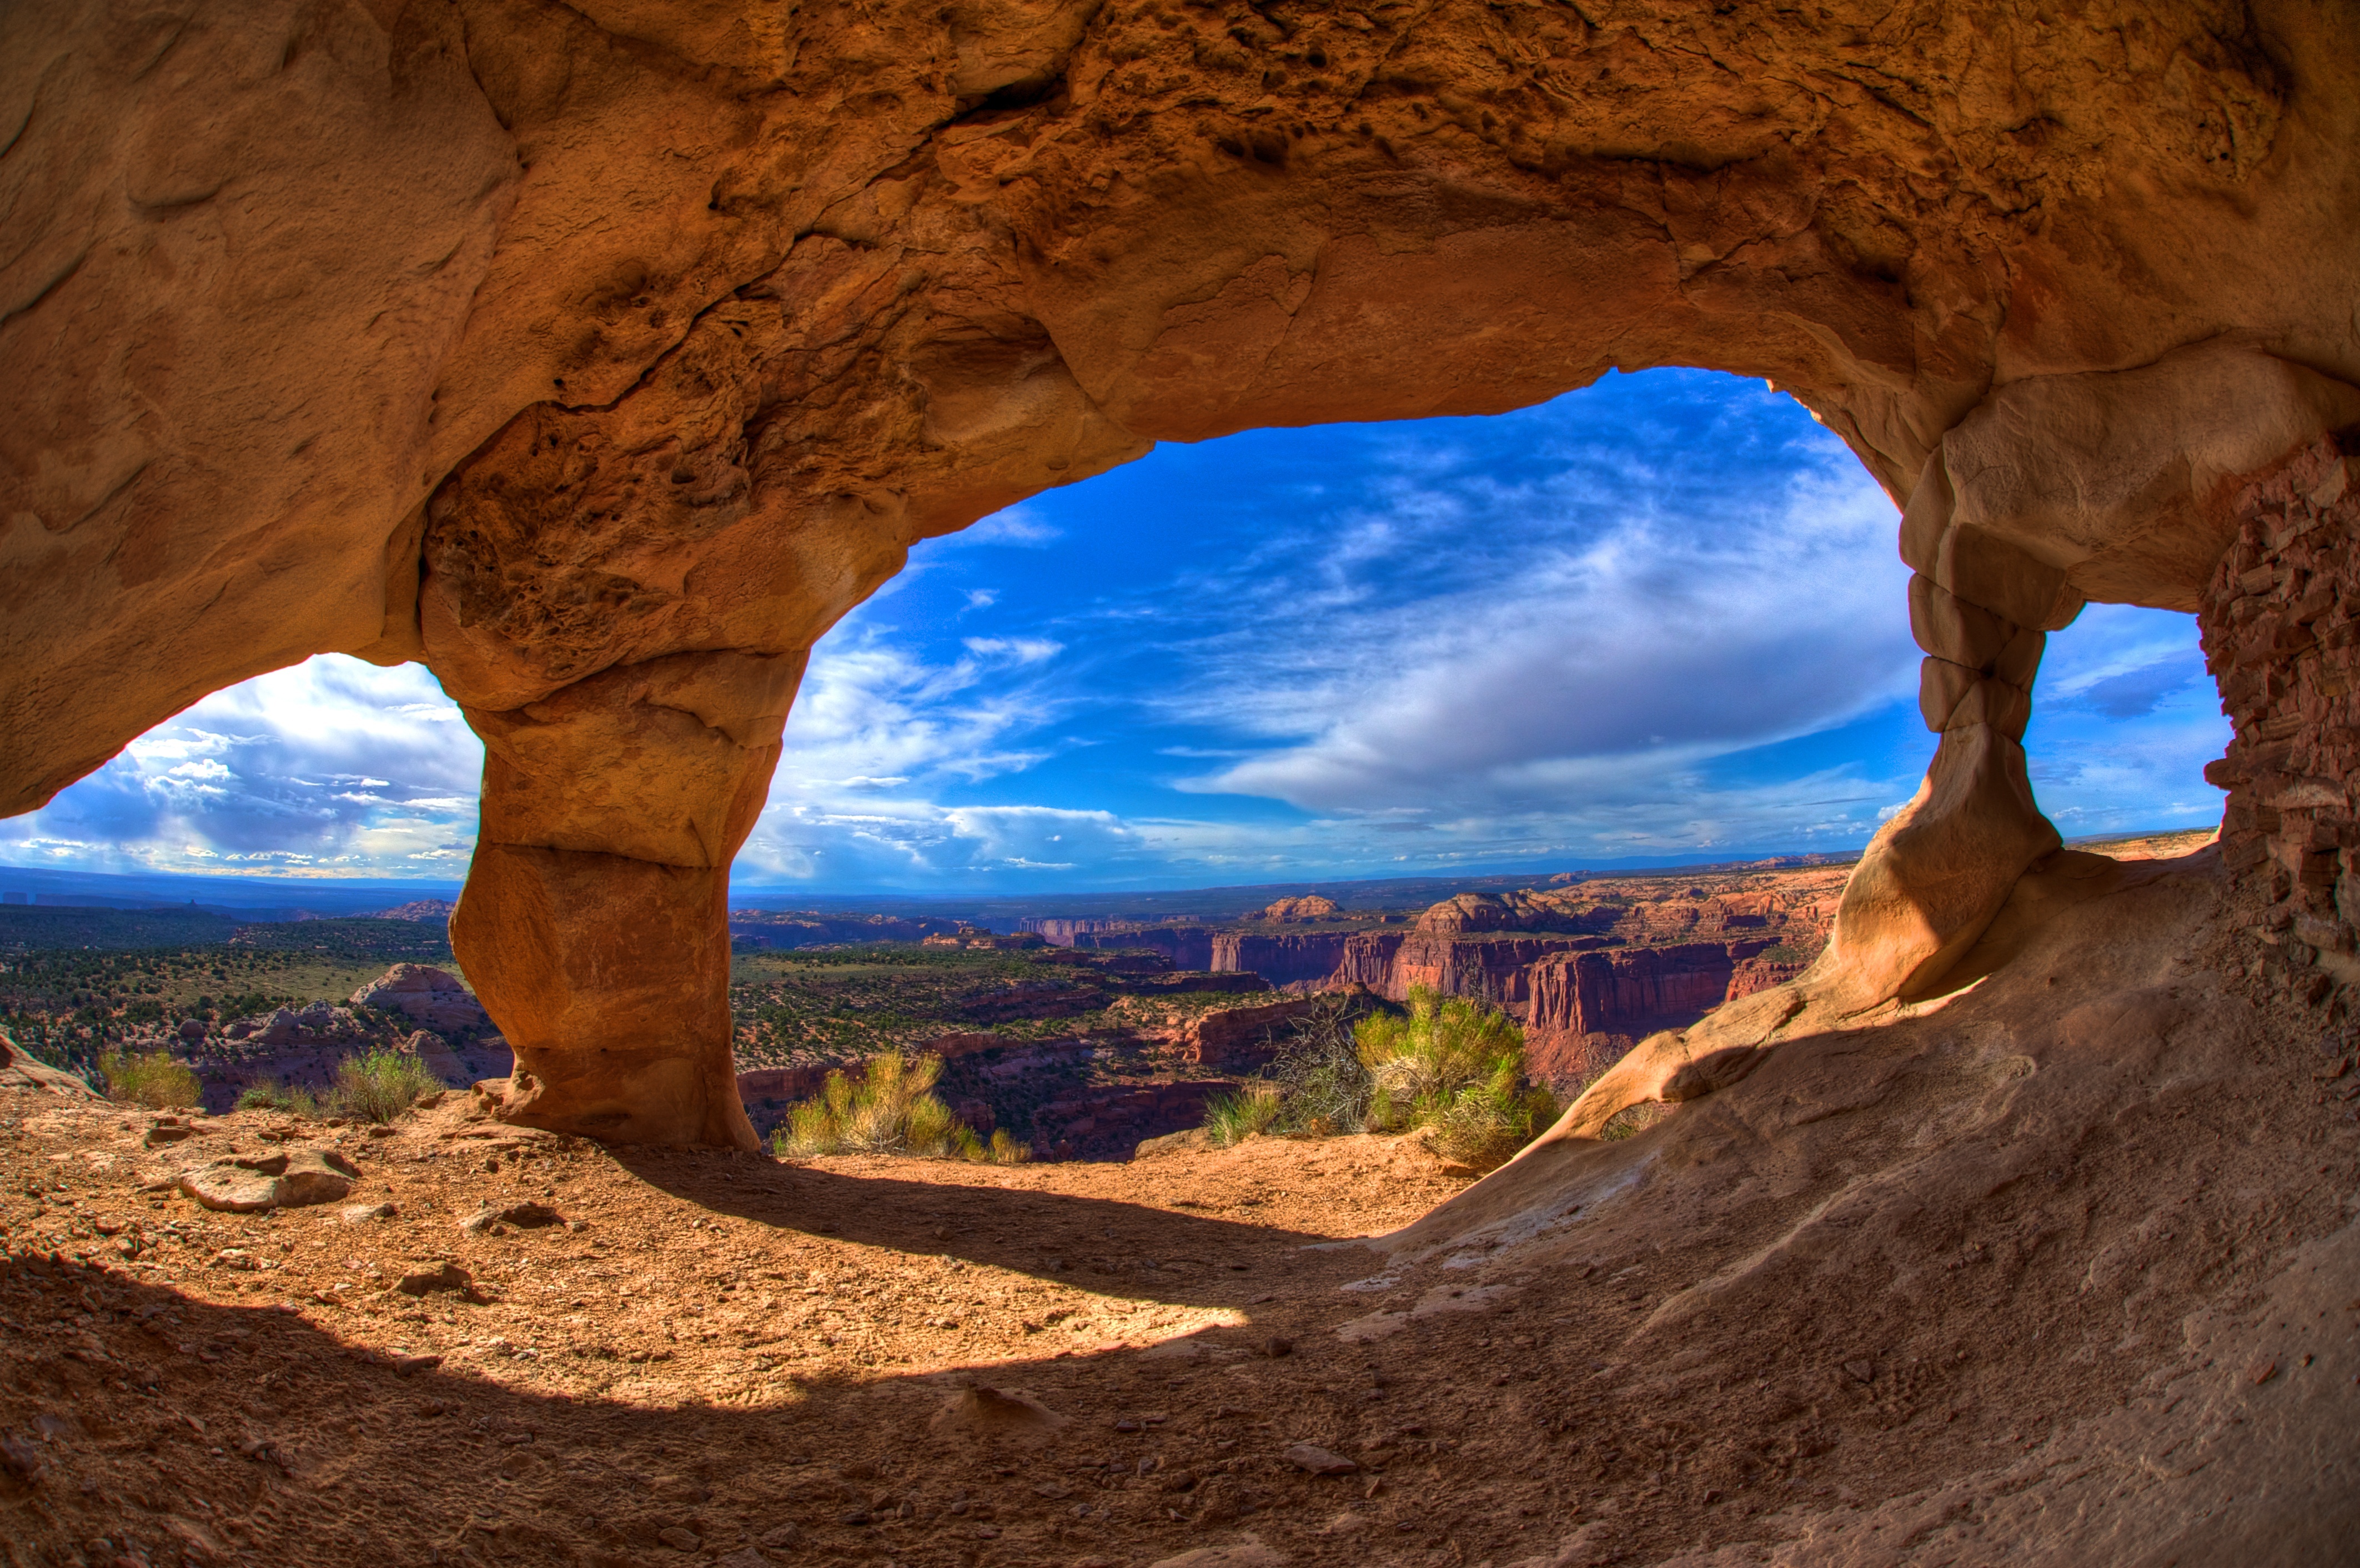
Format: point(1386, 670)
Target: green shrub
point(1451, 1064)
point(381, 1085)
point(155, 1081)
point(891, 1108)
point(1233, 1118)
point(273, 1096)
point(1422, 1063)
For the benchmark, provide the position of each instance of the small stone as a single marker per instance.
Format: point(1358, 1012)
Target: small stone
point(362, 1213)
point(1276, 1346)
point(2262, 1371)
point(524, 1216)
point(783, 1536)
point(743, 1557)
point(853, 1515)
point(1319, 1461)
point(1126, 1425)
point(679, 1539)
point(1861, 1371)
point(443, 1276)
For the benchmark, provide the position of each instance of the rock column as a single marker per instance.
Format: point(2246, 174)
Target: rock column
point(1934, 876)
point(593, 924)
point(2281, 631)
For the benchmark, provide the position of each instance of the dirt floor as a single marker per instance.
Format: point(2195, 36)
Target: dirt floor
point(2063, 1270)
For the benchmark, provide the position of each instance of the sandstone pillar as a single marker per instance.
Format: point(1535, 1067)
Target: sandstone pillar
point(593, 924)
point(1935, 876)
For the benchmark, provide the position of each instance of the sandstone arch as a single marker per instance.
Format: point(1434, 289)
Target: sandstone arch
point(602, 356)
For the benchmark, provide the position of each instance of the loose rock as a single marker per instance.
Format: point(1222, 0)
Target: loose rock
point(1319, 1461)
point(246, 1185)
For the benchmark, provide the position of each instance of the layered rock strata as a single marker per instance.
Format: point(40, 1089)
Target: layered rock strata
point(2281, 627)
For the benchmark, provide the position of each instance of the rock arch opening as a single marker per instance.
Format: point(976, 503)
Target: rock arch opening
point(618, 351)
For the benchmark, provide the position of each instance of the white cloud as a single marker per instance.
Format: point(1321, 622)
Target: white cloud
point(1652, 643)
point(330, 768)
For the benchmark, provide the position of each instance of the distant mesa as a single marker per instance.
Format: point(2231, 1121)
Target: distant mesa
point(769, 929)
point(986, 939)
point(1310, 907)
point(416, 910)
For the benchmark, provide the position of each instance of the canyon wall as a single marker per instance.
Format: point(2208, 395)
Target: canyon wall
point(1188, 947)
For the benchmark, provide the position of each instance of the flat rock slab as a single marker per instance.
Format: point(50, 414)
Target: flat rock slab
point(246, 1185)
point(1319, 1461)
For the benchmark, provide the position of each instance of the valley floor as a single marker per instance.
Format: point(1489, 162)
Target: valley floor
point(2050, 1273)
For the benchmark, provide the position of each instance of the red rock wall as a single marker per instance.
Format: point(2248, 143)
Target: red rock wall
point(1623, 990)
point(1281, 959)
point(1188, 947)
point(1498, 971)
point(2281, 632)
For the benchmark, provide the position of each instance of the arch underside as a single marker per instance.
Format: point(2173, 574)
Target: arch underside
point(603, 357)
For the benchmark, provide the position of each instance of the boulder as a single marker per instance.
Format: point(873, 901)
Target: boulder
point(434, 997)
point(19, 1069)
point(293, 1180)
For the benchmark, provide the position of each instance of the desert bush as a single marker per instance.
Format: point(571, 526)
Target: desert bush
point(154, 1079)
point(381, 1085)
point(275, 1096)
point(1423, 1062)
point(1457, 1067)
point(1323, 1082)
point(1233, 1118)
point(1633, 1119)
point(1451, 1064)
point(891, 1108)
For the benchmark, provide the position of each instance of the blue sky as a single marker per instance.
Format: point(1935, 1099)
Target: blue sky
point(1662, 616)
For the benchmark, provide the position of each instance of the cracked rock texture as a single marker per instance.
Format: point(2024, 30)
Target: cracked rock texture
point(602, 356)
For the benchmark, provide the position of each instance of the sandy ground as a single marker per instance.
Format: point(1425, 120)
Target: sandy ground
point(2051, 1274)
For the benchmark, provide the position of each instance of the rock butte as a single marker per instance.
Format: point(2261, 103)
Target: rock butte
point(602, 356)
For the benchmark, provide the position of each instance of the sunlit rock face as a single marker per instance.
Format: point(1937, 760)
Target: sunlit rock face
point(603, 356)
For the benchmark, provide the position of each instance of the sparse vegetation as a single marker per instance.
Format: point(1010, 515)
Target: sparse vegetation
point(380, 1084)
point(1634, 1119)
point(891, 1108)
point(274, 1096)
point(375, 1086)
point(154, 1079)
point(1451, 1064)
point(1233, 1118)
